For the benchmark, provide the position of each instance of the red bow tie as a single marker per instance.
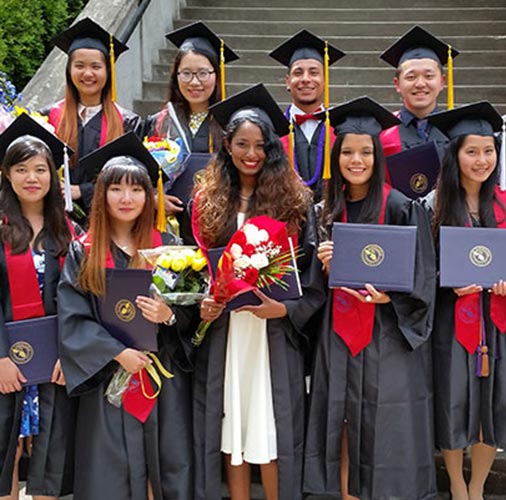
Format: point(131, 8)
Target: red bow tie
point(300, 119)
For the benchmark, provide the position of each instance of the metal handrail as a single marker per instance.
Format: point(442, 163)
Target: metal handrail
point(127, 31)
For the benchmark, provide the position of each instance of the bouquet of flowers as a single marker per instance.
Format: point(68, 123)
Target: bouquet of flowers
point(258, 255)
point(180, 275)
point(169, 154)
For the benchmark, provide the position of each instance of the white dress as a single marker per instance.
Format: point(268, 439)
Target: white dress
point(248, 426)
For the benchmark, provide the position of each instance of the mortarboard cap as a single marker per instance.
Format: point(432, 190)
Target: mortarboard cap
point(304, 45)
point(199, 37)
point(87, 34)
point(24, 126)
point(255, 101)
point(417, 43)
point(360, 116)
point(479, 118)
point(126, 145)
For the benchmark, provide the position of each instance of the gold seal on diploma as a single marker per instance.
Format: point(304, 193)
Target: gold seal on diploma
point(21, 352)
point(372, 255)
point(125, 310)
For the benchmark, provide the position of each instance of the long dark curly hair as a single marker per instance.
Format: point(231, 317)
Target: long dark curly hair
point(279, 192)
point(450, 206)
point(335, 191)
point(18, 232)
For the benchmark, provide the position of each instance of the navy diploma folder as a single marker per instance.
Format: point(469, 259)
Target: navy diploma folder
point(34, 347)
point(379, 254)
point(274, 291)
point(470, 256)
point(414, 171)
point(118, 313)
point(183, 185)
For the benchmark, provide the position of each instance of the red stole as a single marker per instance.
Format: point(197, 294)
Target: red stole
point(26, 299)
point(468, 314)
point(353, 320)
point(57, 110)
point(133, 400)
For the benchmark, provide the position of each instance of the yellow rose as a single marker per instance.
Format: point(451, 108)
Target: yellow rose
point(164, 261)
point(199, 263)
point(179, 263)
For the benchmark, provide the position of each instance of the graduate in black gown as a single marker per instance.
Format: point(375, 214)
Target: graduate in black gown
point(418, 58)
point(304, 55)
point(370, 425)
point(88, 117)
point(196, 82)
point(251, 176)
point(469, 402)
point(120, 457)
point(35, 420)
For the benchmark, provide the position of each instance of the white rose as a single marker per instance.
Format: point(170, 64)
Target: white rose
point(259, 260)
point(251, 233)
point(263, 235)
point(235, 251)
point(242, 262)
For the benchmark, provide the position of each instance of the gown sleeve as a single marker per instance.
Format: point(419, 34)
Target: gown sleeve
point(313, 297)
point(133, 123)
point(415, 310)
point(87, 350)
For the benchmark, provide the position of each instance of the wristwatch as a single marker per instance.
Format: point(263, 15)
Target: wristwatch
point(171, 321)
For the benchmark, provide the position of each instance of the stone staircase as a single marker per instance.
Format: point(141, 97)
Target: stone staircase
point(361, 28)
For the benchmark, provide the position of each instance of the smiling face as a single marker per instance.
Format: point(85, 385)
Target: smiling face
point(356, 163)
point(477, 159)
point(305, 84)
point(88, 72)
point(31, 180)
point(247, 149)
point(125, 202)
point(419, 83)
point(196, 92)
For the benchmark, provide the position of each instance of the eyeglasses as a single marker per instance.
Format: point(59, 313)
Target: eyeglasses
point(202, 75)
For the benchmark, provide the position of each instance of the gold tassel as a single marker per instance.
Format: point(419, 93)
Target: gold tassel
point(485, 367)
point(161, 218)
point(451, 101)
point(291, 145)
point(113, 69)
point(326, 165)
point(210, 145)
point(222, 69)
point(326, 100)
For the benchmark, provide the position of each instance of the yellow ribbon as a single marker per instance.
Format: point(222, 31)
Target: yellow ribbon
point(151, 371)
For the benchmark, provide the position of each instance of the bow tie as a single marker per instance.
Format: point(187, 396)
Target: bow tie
point(300, 119)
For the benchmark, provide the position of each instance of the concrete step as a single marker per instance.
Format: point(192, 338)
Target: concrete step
point(354, 4)
point(355, 58)
point(414, 15)
point(340, 74)
point(337, 27)
point(240, 41)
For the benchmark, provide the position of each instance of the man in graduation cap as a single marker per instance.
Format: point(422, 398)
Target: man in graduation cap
point(418, 57)
point(304, 55)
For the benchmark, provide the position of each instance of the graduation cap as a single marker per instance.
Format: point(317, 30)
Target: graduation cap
point(418, 43)
point(360, 116)
point(254, 101)
point(199, 37)
point(305, 45)
point(24, 126)
point(87, 34)
point(126, 145)
point(478, 118)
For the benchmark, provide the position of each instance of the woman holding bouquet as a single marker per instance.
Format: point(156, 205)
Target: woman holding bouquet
point(88, 117)
point(196, 82)
point(249, 372)
point(370, 415)
point(469, 371)
point(142, 450)
point(35, 420)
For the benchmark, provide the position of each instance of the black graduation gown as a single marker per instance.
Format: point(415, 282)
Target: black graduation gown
point(160, 125)
point(463, 402)
point(50, 467)
point(286, 351)
point(115, 453)
point(384, 393)
point(306, 154)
